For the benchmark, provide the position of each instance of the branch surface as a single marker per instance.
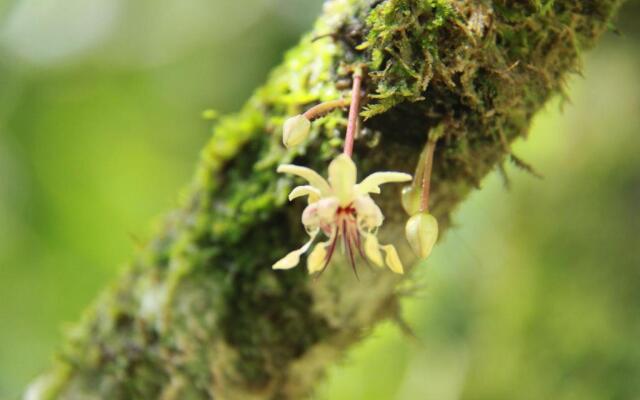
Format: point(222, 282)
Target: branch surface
point(200, 314)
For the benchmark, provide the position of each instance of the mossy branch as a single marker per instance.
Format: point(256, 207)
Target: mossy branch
point(200, 314)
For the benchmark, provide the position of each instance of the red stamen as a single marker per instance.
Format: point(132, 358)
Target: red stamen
point(347, 243)
point(358, 243)
point(345, 227)
point(332, 248)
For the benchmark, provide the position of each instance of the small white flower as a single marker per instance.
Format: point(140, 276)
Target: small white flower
point(343, 210)
point(295, 130)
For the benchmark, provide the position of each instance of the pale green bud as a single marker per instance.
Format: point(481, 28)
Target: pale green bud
point(422, 233)
point(411, 199)
point(296, 129)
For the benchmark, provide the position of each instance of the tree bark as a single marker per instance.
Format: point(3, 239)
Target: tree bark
point(200, 313)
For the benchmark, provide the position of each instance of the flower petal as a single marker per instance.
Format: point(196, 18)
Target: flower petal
point(371, 184)
point(307, 173)
point(306, 190)
point(320, 213)
point(342, 178)
point(293, 258)
point(310, 217)
point(372, 249)
point(316, 260)
point(392, 259)
point(327, 208)
point(369, 214)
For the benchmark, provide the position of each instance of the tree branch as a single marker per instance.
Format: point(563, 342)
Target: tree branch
point(200, 313)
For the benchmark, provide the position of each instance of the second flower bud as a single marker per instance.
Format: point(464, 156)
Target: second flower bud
point(296, 130)
point(422, 233)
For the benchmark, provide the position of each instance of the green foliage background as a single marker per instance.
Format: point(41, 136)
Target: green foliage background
point(535, 295)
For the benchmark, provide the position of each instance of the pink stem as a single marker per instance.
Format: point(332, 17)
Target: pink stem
point(354, 111)
point(426, 177)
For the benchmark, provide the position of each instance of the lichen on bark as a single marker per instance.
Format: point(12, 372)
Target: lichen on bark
point(200, 314)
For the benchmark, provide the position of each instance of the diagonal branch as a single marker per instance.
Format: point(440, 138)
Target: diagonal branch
point(200, 314)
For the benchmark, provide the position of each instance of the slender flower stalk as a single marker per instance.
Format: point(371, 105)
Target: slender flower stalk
point(322, 109)
point(354, 111)
point(426, 176)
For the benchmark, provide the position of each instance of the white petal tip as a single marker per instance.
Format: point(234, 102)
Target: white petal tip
point(282, 266)
point(289, 261)
point(371, 184)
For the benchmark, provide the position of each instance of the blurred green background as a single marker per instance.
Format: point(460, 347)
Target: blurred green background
point(535, 295)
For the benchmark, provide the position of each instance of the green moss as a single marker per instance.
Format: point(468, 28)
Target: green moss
point(401, 49)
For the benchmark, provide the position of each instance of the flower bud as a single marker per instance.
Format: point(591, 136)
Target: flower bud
point(422, 233)
point(296, 129)
point(411, 199)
